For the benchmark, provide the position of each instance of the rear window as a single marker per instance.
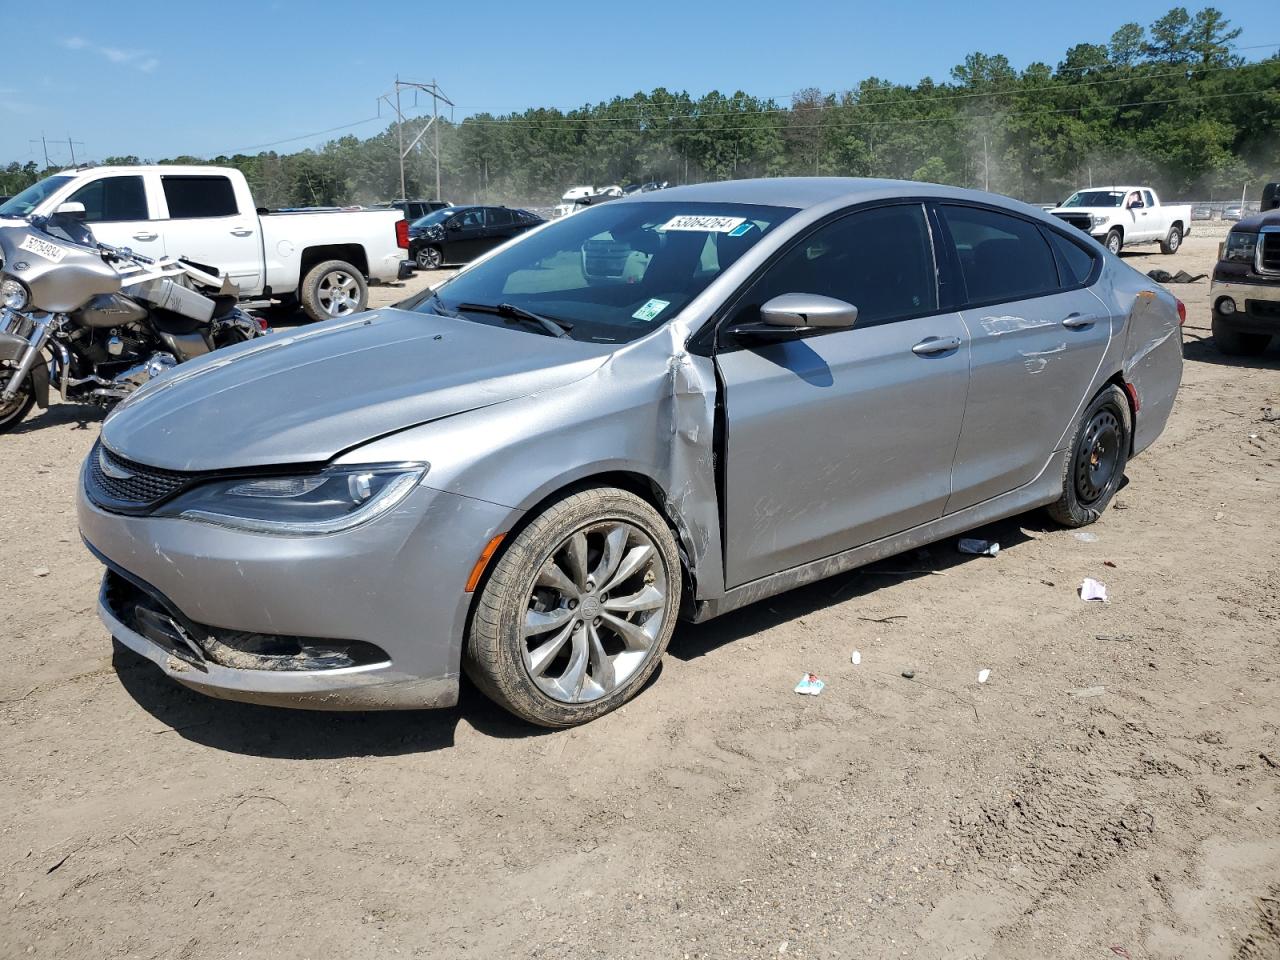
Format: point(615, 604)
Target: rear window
point(1002, 257)
point(194, 198)
point(497, 218)
point(1074, 262)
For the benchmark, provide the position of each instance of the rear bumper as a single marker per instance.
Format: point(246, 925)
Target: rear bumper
point(406, 270)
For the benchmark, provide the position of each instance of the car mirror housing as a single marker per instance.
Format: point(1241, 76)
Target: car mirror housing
point(808, 310)
point(71, 208)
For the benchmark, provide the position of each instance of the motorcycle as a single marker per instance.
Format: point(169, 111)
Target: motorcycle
point(108, 319)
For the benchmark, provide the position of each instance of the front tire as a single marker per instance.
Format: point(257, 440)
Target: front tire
point(13, 411)
point(333, 289)
point(578, 610)
point(1236, 344)
point(1114, 242)
point(1173, 241)
point(1098, 454)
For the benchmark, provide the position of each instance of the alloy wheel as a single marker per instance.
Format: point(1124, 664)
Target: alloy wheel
point(339, 294)
point(1097, 455)
point(595, 612)
point(429, 258)
point(17, 407)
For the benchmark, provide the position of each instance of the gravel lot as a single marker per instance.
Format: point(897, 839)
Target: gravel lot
point(1112, 790)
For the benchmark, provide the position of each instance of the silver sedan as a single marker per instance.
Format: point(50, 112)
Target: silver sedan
point(664, 407)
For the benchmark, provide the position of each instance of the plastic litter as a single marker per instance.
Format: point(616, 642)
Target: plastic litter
point(983, 674)
point(856, 658)
point(909, 674)
point(1088, 692)
point(1092, 589)
point(810, 685)
point(1084, 536)
point(979, 548)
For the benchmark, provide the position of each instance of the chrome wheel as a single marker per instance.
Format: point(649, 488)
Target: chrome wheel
point(1114, 243)
point(595, 612)
point(11, 411)
point(1097, 455)
point(338, 293)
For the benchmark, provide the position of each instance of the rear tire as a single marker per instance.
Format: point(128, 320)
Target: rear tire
point(552, 645)
point(1173, 241)
point(13, 411)
point(429, 258)
point(1096, 459)
point(333, 289)
point(1236, 344)
point(1114, 242)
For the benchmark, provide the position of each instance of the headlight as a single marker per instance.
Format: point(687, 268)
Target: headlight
point(1100, 219)
point(299, 506)
point(1240, 246)
point(13, 294)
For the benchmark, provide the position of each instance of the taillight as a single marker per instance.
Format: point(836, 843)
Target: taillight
point(1182, 312)
point(402, 234)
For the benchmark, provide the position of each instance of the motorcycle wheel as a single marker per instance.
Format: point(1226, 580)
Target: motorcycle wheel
point(12, 411)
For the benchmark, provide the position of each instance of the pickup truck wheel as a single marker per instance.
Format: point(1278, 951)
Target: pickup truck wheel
point(429, 258)
point(333, 289)
point(1171, 243)
point(576, 613)
point(12, 411)
point(1236, 344)
point(1114, 242)
point(1096, 459)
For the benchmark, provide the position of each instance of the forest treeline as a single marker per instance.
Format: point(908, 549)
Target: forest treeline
point(1174, 104)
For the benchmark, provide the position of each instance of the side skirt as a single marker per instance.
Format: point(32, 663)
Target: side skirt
point(1045, 489)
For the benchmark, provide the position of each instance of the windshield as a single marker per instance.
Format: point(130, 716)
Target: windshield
point(437, 216)
point(1095, 198)
point(614, 272)
point(32, 197)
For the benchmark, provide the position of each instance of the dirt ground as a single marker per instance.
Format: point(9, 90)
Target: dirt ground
point(1112, 790)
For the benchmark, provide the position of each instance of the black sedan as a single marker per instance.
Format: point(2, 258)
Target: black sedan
point(460, 234)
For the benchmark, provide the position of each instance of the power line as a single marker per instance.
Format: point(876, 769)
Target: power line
point(304, 136)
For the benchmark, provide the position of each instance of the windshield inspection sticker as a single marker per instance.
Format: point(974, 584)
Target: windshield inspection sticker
point(650, 310)
point(43, 248)
point(703, 224)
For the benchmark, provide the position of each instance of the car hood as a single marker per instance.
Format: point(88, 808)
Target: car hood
point(308, 396)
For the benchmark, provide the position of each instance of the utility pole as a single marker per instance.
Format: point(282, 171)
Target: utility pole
point(986, 166)
point(437, 97)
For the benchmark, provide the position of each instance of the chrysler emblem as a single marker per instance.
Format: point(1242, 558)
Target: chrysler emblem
point(110, 469)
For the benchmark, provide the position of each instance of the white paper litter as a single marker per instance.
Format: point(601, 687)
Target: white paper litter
point(1092, 589)
point(1084, 536)
point(983, 674)
point(856, 658)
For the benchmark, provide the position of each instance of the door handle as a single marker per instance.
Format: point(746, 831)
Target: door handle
point(1078, 322)
point(242, 232)
point(932, 345)
point(146, 236)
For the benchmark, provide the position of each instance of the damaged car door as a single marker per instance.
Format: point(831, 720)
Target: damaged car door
point(835, 437)
point(1038, 337)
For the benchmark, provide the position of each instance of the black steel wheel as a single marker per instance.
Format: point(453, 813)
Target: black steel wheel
point(1096, 459)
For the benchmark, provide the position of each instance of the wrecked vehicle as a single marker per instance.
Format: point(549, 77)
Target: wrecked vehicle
point(1124, 216)
point(664, 406)
point(1245, 292)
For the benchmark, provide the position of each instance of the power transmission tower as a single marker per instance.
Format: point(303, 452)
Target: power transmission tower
point(44, 145)
point(437, 97)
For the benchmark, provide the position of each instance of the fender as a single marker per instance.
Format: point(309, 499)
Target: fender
point(12, 348)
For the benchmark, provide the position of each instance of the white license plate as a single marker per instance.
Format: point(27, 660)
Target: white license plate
point(43, 248)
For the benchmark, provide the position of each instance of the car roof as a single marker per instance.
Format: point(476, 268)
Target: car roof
point(804, 192)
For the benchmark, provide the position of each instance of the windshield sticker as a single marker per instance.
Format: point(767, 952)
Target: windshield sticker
point(741, 230)
point(43, 248)
point(649, 312)
point(703, 224)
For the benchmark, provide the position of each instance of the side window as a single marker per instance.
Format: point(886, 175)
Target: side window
point(497, 217)
point(879, 260)
point(1148, 199)
point(1001, 257)
point(1075, 263)
point(113, 199)
point(195, 198)
point(473, 218)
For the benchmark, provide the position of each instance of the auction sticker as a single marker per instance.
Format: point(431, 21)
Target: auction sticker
point(43, 248)
point(703, 224)
point(650, 310)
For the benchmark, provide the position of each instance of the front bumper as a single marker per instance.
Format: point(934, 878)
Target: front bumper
point(395, 584)
point(1257, 305)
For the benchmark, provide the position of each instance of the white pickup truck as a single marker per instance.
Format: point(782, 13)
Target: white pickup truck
point(1121, 216)
point(207, 215)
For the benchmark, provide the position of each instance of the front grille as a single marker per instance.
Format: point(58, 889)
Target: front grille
point(1270, 253)
point(1079, 221)
point(137, 488)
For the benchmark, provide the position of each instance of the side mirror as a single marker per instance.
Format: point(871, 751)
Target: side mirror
point(793, 315)
point(72, 208)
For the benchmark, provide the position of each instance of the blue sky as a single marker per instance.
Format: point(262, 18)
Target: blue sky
point(160, 79)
